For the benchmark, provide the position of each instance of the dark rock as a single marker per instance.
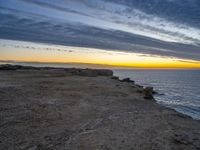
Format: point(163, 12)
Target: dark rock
point(104, 72)
point(16, 67)
point(148, 93)
point(139, 86)
point(7, 67)
point(154, 92)
point(127, 80)
point(160, 94)
point(139, 90)
point(115, 78)
point(89, 72)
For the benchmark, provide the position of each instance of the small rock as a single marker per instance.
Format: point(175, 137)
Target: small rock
point(148, 93)
point(154, 92)
point(115, 78)
point(139, 86)
point(127, 80)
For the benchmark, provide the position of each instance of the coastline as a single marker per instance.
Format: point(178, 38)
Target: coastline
point(69, 108)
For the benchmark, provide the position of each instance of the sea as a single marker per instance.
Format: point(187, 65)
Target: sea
point(177, 89)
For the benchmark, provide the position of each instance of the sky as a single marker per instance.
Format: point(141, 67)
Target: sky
point(137, 33)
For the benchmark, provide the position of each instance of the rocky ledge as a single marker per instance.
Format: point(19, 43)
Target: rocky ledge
point(147, 91)
point(72, 71)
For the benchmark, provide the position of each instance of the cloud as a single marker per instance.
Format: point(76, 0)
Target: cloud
point(182, 11)
point(129, 25)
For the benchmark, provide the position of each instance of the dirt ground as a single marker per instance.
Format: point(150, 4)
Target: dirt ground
point(51, 109)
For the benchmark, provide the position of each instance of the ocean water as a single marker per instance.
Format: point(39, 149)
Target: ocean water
point(177, 89)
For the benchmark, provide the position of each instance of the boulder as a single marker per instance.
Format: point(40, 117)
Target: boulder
point(127, 80)
point(148, 92)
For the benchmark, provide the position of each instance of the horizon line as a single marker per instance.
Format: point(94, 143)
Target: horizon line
point(98, 65)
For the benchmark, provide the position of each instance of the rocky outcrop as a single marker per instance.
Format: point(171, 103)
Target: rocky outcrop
point(73, 71)
point(89, 72)
point(16, 67)
point(148, 92)
point(127, 80)
point(115, 78)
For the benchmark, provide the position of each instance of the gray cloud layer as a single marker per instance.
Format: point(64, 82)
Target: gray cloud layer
point(156, 27)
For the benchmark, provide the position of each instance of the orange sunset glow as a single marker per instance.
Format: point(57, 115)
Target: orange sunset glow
point(66, 54)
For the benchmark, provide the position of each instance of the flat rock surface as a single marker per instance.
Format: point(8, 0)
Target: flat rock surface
point(54, 110)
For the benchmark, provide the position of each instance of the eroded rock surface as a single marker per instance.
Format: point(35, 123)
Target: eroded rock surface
point(58, 110)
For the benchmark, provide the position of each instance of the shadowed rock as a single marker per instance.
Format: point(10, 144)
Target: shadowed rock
point(127, 80)
point(16, 67)
point(89, 72)
point(115, 78)
point(73, 71)
point(148, 92)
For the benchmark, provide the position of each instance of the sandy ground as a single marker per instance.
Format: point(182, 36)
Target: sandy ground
point(50, 109)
